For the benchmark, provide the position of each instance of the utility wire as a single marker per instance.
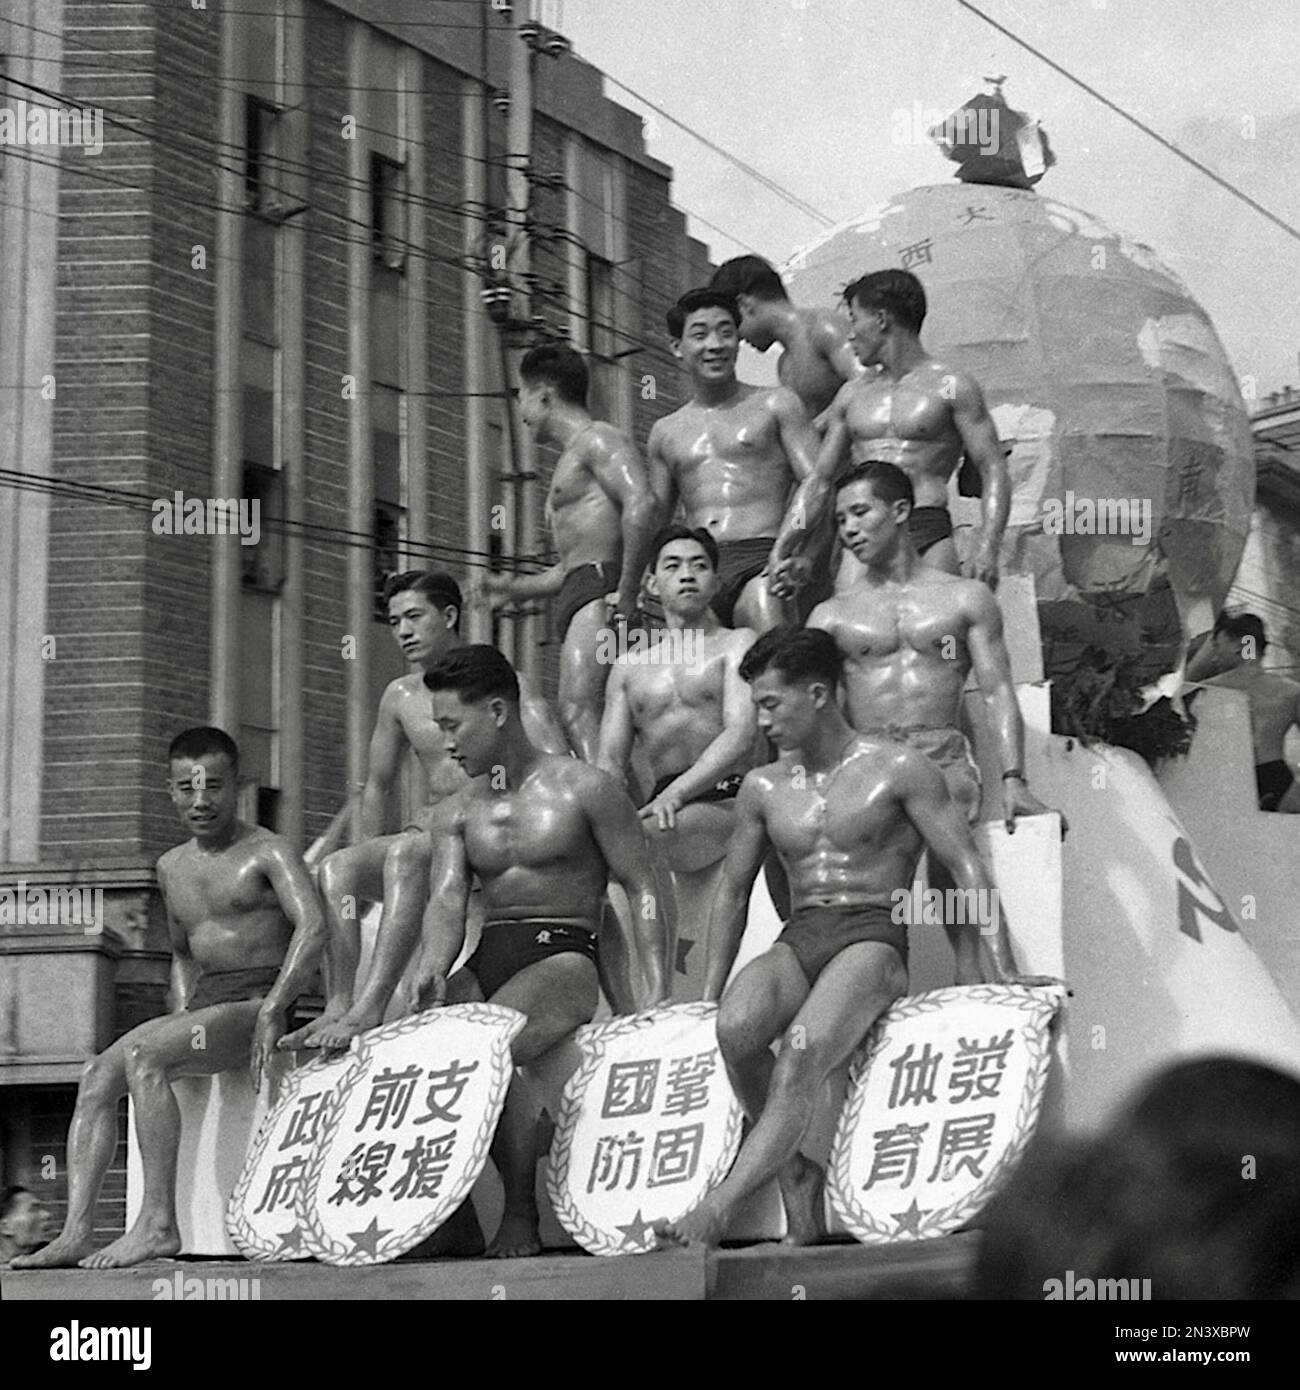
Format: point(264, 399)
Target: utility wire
point(1134, 121)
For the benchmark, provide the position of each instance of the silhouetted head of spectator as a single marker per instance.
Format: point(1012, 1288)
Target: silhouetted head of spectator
point(1194, 1186)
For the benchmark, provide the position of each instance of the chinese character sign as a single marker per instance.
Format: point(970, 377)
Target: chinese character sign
point(940, 1106)
point(648, 1124)
point(262, 1217)
point(408, 1133)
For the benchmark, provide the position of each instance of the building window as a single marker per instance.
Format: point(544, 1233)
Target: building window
point(263, 563)
point(388, 211)
point(261, 120)
point(601, 345)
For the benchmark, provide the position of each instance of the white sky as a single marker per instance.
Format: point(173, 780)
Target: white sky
point(808, 91)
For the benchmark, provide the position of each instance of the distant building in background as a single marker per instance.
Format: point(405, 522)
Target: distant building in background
point(1268, 578)
point(268, 285)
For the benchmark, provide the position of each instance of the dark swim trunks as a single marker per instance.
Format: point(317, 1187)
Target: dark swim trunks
point(582, 586)
point(818, 934)
point(724, 790)
point(929, 526)
point(506, 948)
point(232, 986)
point(738, 563)
point(1272, 782)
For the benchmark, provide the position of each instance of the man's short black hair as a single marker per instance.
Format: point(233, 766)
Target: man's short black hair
point(435, 585)
point(695, 300)
point(475, 672)
point(886, 480)
point(202, 742)
point(1239, 626)
point(748, 275)
point(797, 653)
point(898, 292)
point(9, 1198)
point(557, 365)
point(678, 532)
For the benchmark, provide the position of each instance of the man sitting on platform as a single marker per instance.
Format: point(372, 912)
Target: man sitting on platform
point(601, 514)
point(246, 934)
point(1232, 659)
point(543, 835)
point(910, 634)
point(424, 613)
point(849, 815)
point(682, 697)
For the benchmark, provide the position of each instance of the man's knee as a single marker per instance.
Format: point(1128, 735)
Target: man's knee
point(144, 1062)
point(337, 874)
point(410, 853)
point(742, 1030)
point(102, 1082)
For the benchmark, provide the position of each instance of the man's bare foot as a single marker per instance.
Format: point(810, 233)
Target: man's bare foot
point(144, 1241)
point(802, 1183)
point(338, 1034)
point(516, 1236)
point(703, 1225)
point(305, 1036)
point(64, 1251)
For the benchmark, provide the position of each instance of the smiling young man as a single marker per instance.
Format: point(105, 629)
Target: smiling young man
point(424, 611)
point(246, 935)
point(915, 412)
point(601, 514)
point(849, 815)
point(543, 836)
point(733, 455)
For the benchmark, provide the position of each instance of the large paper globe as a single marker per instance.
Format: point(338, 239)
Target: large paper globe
point(1103, 374)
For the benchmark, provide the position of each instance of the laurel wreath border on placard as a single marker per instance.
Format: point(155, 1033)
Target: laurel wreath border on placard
point(593, 1039)
point(238, 1225)
point(334, 1252)
point(1035, 1032)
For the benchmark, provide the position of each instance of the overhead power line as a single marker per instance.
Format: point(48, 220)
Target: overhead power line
point(1155, 135)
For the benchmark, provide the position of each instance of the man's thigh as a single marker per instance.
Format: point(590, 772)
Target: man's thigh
point(942, 555)
point(581, 670)
point(359, 869)
point(766, 996)
point(700, 837)
point(203, 1041)
point(850, 994)
point(556, 995)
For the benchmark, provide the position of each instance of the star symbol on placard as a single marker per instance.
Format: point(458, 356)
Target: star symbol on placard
point(291, 1241)
point(910, 1220)
point(368, 1240)
point(683, 950)
point(636, 1230)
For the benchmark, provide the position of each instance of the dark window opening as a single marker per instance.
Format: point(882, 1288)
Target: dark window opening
point(388, 211)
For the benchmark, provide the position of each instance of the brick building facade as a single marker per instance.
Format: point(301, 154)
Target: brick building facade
point(266, 285)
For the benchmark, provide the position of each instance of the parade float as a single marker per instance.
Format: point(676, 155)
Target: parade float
point(1167, 909)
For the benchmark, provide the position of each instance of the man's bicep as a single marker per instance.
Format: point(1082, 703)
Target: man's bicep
point(615, 827)
point(621, 473)
point(289, 879)
point(386, 742)
point(979, 435)
point(615, 725)
point(659, 473)
point(749, 842)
